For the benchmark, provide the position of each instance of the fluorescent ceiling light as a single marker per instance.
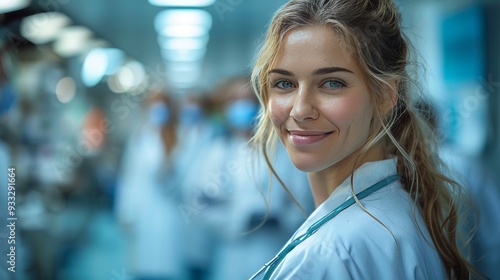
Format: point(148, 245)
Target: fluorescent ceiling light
point(183, 31)
point(7, 6)
point(75, 32)
point(43, 28)
point(184, 17)
point(99, 63)
point(192, 43)
point(94, 67)
point(183, 55)
point(71, 41)
point(115, 60)
point(182, 3)
point(183, 23)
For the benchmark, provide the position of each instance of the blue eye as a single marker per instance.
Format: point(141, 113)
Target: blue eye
point(283, 84)
point(333, 84)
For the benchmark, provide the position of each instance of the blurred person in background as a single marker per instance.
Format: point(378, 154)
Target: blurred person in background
point(227, 196)
point(145, 205)
point(197, 132)
point(196, 129)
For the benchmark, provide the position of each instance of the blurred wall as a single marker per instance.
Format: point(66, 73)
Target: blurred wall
point(492, 152)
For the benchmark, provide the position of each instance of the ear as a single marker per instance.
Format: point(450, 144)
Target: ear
point(392, 94)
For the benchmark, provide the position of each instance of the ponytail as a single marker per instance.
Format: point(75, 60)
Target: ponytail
point(436, 194)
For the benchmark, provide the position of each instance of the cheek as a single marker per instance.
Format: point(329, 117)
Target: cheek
point(278, 110)
point(349, 111)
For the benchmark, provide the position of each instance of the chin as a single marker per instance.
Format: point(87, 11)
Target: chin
point(307, 166)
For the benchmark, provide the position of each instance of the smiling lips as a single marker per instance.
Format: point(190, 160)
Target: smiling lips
point(307, 137)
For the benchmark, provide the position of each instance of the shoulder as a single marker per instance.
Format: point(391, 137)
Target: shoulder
point(387, 215)
point(354, 245)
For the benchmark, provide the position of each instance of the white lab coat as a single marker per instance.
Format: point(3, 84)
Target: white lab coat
point(146, 209)
point(195, 159)
point(354, 245)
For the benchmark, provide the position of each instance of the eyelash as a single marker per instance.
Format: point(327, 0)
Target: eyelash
point(278, 81)
point(342, 83)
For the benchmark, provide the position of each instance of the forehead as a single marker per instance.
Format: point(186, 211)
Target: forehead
point(313, 46)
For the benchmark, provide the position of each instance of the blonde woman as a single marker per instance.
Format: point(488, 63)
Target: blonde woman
point(334, 87)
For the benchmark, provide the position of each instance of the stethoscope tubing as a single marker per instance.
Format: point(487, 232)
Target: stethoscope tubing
point(271, 266)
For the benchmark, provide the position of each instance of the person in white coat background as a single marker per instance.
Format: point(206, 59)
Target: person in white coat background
point(193, 162)
point(333, 83)
point(146, 202)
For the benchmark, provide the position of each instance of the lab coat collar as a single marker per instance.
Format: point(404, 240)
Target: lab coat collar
point(365, 176)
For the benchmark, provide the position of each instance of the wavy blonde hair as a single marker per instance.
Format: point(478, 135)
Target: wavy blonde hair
point(370, 34)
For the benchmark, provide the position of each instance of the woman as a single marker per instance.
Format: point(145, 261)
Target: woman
point(332, 80)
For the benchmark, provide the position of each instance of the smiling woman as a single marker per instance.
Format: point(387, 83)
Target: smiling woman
point(319, 103)
point(332, 80)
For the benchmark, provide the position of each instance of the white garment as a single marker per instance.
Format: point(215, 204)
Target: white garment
point(150, 214)
point(193, 162)
point(354, 245)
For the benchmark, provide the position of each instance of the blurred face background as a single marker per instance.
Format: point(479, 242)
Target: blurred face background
point(241, 106)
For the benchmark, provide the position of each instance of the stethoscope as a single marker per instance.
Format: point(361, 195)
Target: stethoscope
point(271, 266)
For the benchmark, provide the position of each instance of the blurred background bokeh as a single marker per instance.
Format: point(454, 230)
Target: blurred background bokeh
point(126, 123)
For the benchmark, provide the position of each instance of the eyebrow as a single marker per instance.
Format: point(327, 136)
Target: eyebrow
point(320, 71)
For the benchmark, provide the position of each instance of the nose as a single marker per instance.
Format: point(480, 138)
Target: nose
point(304, 108)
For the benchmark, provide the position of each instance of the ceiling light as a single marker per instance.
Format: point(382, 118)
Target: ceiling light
point(7, 6)
point(94, 67)
point(43, 28)
point(183, 55)
point(115, 60)
point(183, 23)
point(183, 43)
point(184, 17)
point(99, 63)
point(71, 41)
point(182, 3)
point(183, 31)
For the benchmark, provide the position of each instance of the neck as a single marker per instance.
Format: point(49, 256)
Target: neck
point(323, 183)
